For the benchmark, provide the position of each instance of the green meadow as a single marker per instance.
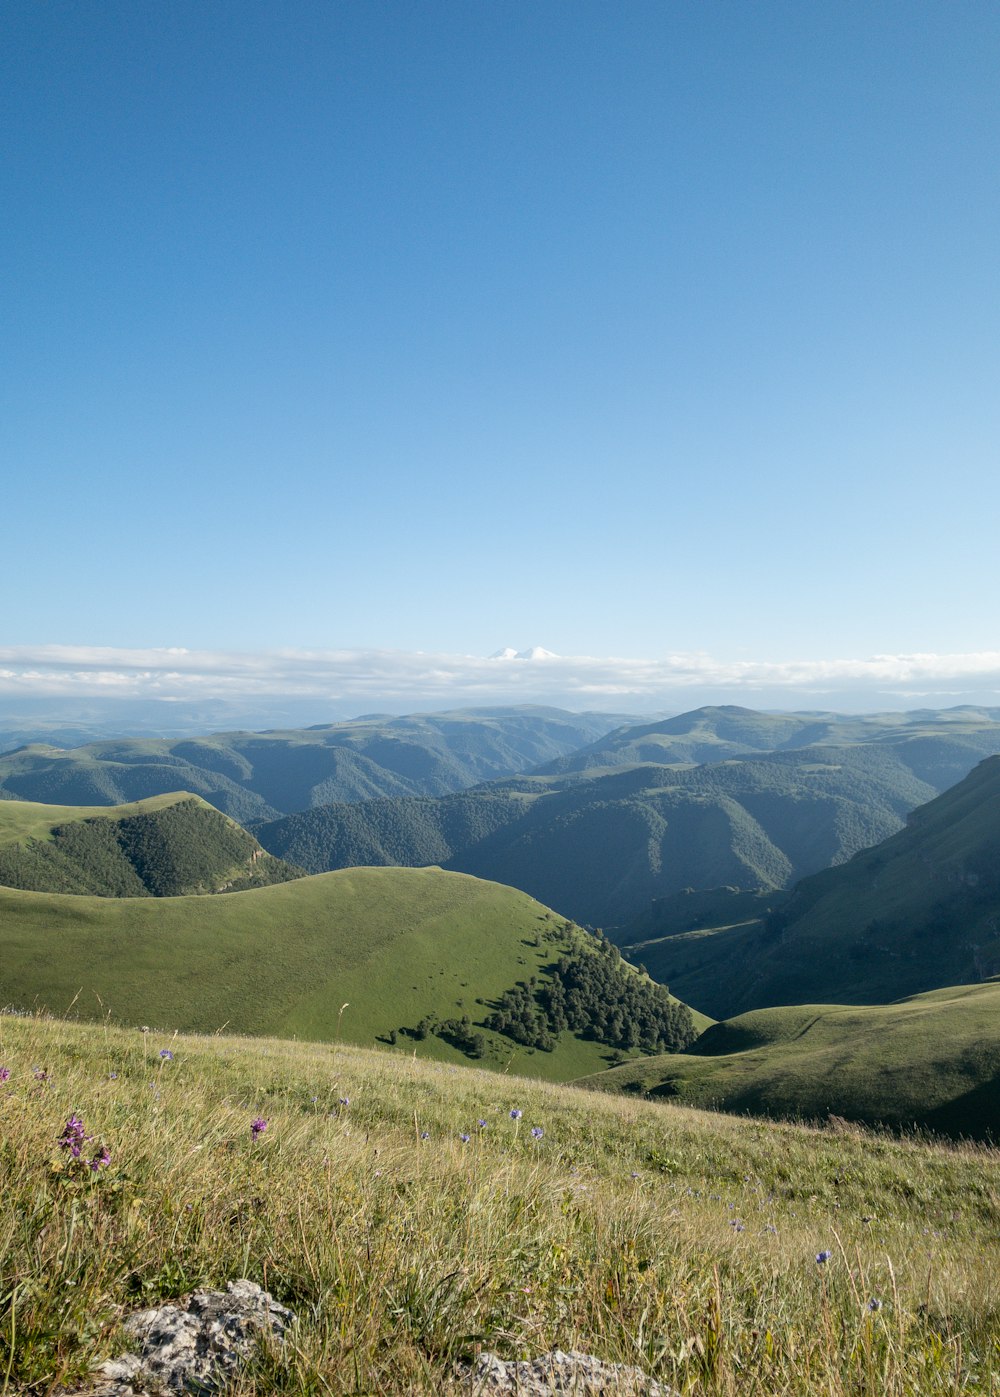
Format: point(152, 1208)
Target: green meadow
point(649, 1233)
point(393, 945)
point(932, 1060)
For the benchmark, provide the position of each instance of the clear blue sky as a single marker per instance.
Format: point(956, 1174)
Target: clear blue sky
point(616, 329)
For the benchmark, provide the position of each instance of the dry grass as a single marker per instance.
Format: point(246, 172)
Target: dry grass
point(681, 1241)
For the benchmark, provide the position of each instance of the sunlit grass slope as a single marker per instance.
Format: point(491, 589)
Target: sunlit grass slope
point(657, 1235)
point(395, 945)
point(933, 1060)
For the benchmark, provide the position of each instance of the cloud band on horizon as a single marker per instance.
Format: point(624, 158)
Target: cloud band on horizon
point(389, 678)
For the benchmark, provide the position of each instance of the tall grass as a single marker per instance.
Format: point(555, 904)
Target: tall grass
point(680, 1241)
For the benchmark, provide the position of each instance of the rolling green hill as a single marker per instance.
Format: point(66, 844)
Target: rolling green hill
point(258, 776)
point(919, 911)
point(932, 1060)
point(603, 847)
point(411, 952)
point(163, 847)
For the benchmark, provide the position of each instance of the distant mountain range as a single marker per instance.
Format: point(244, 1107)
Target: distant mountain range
point(258, 776)
point(631, 818)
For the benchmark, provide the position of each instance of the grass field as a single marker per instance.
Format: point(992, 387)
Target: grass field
point(681, 1241)
point(394, 944)
point(933, 1060)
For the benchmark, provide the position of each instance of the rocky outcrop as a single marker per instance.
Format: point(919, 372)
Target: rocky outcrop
point(555, 1372)
point(196, 1347)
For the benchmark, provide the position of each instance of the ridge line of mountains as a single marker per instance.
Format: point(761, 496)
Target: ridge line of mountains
point(913, 913)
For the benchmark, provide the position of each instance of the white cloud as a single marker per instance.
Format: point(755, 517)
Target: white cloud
point(398, 680)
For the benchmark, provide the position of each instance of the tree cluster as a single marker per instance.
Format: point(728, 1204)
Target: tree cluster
point(596, 995)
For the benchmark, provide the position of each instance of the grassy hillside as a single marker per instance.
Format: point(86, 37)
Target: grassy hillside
point(402, 948)
point(163, 847)
point(258, 776)
point(932, 1060)
point(919, 911)
point(603, 847)
point(680, 1241)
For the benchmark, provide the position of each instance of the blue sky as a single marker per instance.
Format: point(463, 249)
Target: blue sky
point(656, 330)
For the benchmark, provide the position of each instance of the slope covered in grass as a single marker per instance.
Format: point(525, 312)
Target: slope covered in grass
point(919, 911)
point(258, 776)
point(163, 847)
point(680, 1241)
point(932, 1060)
point(409, 951)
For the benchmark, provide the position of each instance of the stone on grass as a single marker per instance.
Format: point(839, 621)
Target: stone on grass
point(194, 1348)
point(558, 1372)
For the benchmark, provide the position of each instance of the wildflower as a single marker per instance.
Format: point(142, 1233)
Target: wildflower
point(822, 1257)
point(74, 1137)
point(257, 1127)
point(464, 1138)
point(874, 1304)
point(537, 1132)
point(634, 1174)
point(100, 1160)
point(345, 1101)
point(40, 1074)
point(425, 1135)
point(481, 1124)
point(4, 1074)
point(166, 1055)
point(112, 1076)
point(515, 1114)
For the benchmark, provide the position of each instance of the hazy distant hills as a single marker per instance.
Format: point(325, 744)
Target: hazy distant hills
point(938, 746)
point(601, 842)
point(255, 776)
point(168, 846)
point(918, 911)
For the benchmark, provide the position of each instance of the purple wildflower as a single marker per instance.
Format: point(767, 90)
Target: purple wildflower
point(4, 1074)
point(515, 1114)
point(822, 1257)
point(257, 1127)
point(100, 1160)
point(345, 1101)
point(481, 1124)
point(74, 1137)
point(465, 1138)
point(537, 1132)
point(166, 1055)
point(874, 1304)
point(425, 1135)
